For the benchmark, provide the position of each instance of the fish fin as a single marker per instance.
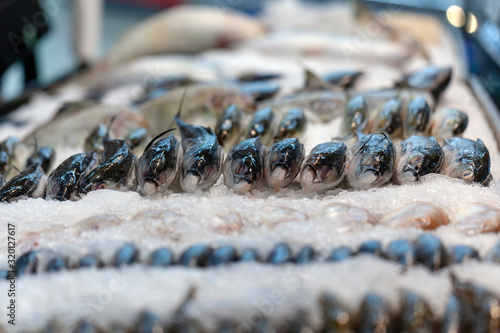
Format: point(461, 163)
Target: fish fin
point(182, 102)
point(313, 81)
point(156, 138)
point(108, 129)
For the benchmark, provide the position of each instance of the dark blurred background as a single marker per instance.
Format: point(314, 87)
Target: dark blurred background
point(45, 33)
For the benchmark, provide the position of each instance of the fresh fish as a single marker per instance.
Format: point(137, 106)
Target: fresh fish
point(244, 165)
point(401, 251)
point(306, 255)
point(116, 171)
point(223, 256)
point(89, 261)
point(7, 151)
point(56, 265)
point(447, 123)
point(387, 119)
point(203, 157)
point(161, 257)
point(325, 167)
point(374, 314)
point(228, 126)
point(372, 247)
point(355, 115)
point(196, 256)
point(336, 318)
point(476, 218)
point(324, 105)
point(417, 117)
point(149, 323)
point(72, 128)
point(158, 165)
point(343, 78)
point(260, 125)
point(96, 138)
point(373, 162)
point(415, 315)
point(462, 253)
point(136, 137)
point(260, 90)
point(250, 255)
point(340, 253)
point(205, 28)
point(422, 215)
point(64, 181)
point(467, 159)
point(292, 124)
point(417, 156)
point(160, 112)
point(283, 162)
point(251, 77)
point(128, 254)
point(431, 78)
point(430, 252)
point(43, 156)
point(280, 254)
point(30, 183)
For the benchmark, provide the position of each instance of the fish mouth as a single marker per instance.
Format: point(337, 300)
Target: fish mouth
point(191, 181)
point(242, 179)
point(413, 171)
point(370, 169)
point(309, 175)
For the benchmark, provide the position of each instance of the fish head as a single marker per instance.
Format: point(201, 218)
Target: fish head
point(285, 158)
point(24, 184)
point(158, 166)
point(201, 166)
point(432, 78)
point(326, 163)
point(417, 117)
point(228, 125)
point(4, 161)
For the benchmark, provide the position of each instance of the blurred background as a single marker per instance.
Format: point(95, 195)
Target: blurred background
point(44, 40)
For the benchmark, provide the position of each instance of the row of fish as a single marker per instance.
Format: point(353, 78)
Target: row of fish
point(372, 162)
point(426, 250)
point(469, 308)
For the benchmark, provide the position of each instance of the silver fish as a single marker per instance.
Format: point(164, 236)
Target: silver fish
point(96, 138)
point(388, 119)
point(244, 165)
point(116, 172)
point(417, 156)
point(417, 117)
point(373, 162)
point(158, 165)
point(7, 151)
point(42, 156)
point(228, 126)
point(203, 157)
point(64, 181)
point(292, 124)
point(467, 159)
point(260, 125)
point(283, 162)
point(28, 184)
point(355, 115)
point(325, 167)
point(431, 78)
point(447, 123)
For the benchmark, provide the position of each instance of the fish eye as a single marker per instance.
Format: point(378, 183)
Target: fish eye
point(101, 186)
point(207, 172)
point(241, 169)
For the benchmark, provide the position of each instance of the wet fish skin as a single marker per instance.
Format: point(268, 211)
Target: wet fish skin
point(388, 119)
point(292, 125)
point(260, 125)
point(401, 251)
point(340, 253)
point(371, 247)
point(306, 255)
point(161, 257)
point(117, 171)
point(136, 137)
point(415, 316)
point(56, 265)
point(249, 255)
point(343, 78)
point(417, 156)
point(432, 78)
point(158, 165)
point(95, 139)
point(64, 181)
point(461, 253)
point(228, 126)
point(43, 156)
point(196, 256)
point(223, 255)
point(283, 162)
point(30, 183)
point(374, 314)
point(27, 263)
point(467, 159)
point(372, 163)
point(417, 117)
point(355, 116)
point(128, 254)
point(280, 254)
point(447, 123)
point(203, 157)
point(244, 165)
point(325, 167)
point(430, 252)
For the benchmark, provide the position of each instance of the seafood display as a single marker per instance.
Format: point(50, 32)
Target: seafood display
point(230, 174)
